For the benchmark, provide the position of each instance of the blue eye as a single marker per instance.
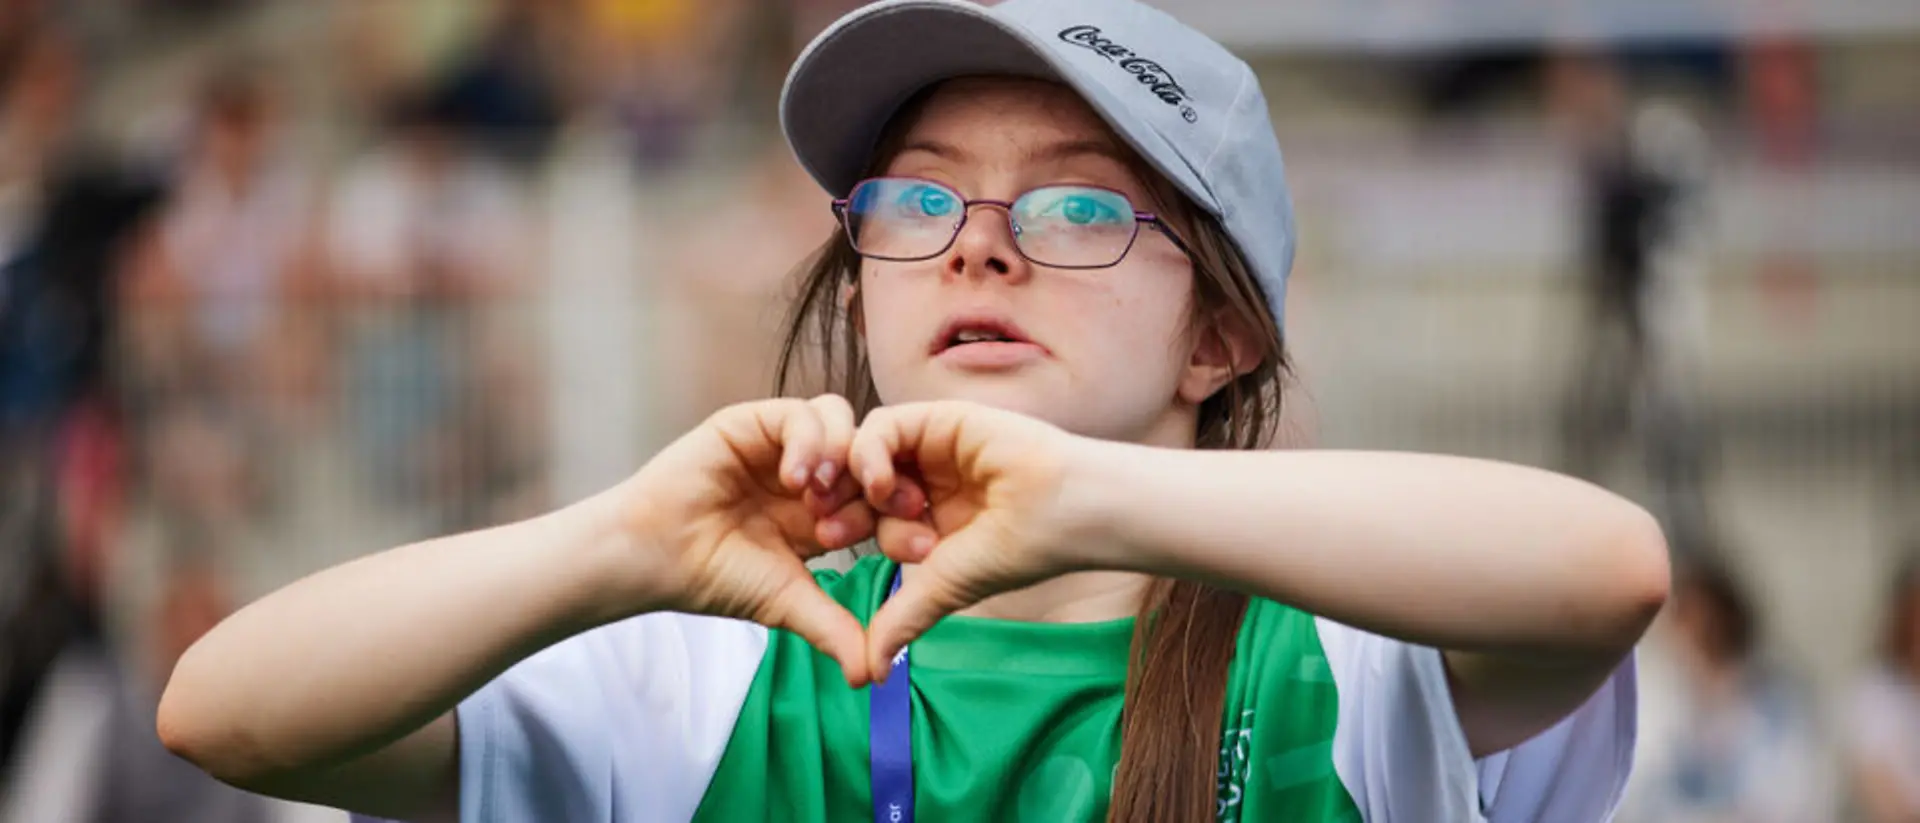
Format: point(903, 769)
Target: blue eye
point(934, 202)
point(1076, 206)
point(1081, 210)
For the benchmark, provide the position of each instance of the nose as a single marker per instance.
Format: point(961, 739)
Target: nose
point(985, 245)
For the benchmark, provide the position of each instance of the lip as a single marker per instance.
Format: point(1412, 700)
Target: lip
point(997, 324)
point(1018, 347)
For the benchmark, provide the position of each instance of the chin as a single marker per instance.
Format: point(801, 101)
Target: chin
point(1070, 409)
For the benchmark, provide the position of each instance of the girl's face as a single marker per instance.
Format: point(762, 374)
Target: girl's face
point(1107, 353)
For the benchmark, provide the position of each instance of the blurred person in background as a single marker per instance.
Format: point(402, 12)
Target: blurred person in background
point(666, 69)
point(1642, 175)
point(506, 87)
point(38, 94)
point(216, 288)
point(91, 755)
point(1725, 736)
point(196, 466)
point(424, 236)
point(68, 216)
point(1884, 713)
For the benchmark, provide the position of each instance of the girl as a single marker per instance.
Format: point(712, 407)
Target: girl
point(1053, 320)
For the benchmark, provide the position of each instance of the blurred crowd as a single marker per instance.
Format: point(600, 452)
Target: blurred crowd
point(239, 291)
point(272, 284)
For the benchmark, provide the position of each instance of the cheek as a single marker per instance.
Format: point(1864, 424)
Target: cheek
point(894, 310)
point(1146, 319)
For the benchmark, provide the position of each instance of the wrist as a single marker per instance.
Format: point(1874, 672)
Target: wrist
point(609, 547)
point(1101, 489)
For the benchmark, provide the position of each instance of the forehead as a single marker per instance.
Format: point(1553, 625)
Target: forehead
point(1012, 113)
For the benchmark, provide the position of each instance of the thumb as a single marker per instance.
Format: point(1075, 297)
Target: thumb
point(806, 610)
point(923, 599)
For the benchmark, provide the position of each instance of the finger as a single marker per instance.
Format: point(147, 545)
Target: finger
point(753, 430)
point(802, 442)
point(909, 498)
point(851, 524)
point(897, 433)
point(905, 541)
point(806, 610)
point(870, 456)
point(793, 526)
point(923, 599)
point(844, 490)
point(837, 428)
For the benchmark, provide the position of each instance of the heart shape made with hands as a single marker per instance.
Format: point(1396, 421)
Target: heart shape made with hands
point(968, 494)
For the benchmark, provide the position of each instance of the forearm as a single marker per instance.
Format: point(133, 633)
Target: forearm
point(352, 658)
point(1449, 552)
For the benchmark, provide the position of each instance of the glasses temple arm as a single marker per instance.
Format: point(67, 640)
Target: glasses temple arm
point(1160, 225)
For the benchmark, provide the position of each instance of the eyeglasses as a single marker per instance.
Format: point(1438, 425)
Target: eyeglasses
point(1064, 227)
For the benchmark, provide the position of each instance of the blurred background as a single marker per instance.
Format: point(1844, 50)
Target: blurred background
point(283, 283)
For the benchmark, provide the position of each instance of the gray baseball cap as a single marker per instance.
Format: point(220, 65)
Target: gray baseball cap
point(1187, 105)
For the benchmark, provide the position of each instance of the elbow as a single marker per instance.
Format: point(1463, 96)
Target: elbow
point(201, 738)
point(1642, 578)
point(188, 735)
point(180, 732)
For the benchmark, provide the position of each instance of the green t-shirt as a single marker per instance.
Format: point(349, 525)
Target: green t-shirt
point(1021, 721)
point(669, 718)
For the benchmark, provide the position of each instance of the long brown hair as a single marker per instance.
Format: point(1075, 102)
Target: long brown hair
point(1184, 639)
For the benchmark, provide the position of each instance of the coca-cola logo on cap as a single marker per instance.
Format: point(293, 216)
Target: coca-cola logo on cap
point(1151, 74)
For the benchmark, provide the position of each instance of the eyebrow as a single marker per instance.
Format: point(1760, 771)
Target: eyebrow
point(1051, 152)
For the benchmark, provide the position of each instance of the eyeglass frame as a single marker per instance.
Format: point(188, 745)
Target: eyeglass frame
point(1152, 219)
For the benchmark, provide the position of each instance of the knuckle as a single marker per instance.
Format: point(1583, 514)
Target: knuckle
point(800, 418)
point(731, 412)
point(833, 403)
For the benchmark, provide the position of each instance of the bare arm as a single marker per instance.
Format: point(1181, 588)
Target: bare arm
point(339, 689)
point(1535, 585)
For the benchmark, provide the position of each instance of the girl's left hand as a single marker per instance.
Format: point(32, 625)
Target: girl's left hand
point(1000, 514)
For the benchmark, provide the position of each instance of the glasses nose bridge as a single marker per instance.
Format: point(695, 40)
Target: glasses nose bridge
point(1011, 238)
point(1005, 206)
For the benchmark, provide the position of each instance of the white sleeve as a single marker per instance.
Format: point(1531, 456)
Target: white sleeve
point(1400, 751)
point(652, 699)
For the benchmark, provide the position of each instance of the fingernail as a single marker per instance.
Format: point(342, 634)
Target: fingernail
point(921, 544)
point(798, 475)
point(826, 473)
point(832, 532)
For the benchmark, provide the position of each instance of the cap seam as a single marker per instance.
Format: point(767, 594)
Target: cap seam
point(1226, 129)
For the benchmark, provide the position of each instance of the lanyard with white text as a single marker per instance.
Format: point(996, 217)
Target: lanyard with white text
point(891, 711)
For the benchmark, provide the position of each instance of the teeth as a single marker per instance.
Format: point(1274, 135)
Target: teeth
point(976, 336)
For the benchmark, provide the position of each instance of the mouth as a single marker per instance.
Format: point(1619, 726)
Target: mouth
point(980, 331)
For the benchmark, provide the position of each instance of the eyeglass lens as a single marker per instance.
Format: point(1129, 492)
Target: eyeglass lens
point(897, 218)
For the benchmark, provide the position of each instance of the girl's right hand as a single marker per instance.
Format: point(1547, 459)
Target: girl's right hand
point(722, 521)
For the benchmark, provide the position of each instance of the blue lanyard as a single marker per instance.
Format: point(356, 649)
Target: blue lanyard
point(891, 711)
